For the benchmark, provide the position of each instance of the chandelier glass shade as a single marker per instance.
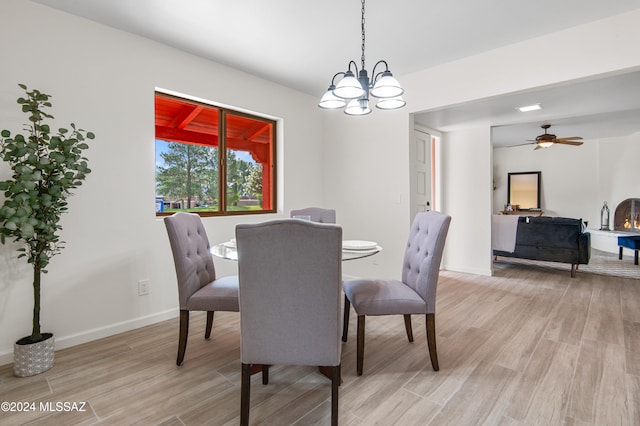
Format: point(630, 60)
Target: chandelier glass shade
point(349, 87)
point(358, 106)
point(331, 101)
point(391, 103)
point(354, 91)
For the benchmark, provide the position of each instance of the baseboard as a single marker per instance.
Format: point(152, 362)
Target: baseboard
point(349, 277)
point(465, 270)
point(63, 342)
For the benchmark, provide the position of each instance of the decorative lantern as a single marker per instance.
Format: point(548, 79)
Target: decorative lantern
point(604, 217)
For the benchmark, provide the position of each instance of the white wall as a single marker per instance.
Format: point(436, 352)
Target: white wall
point(380, 141)
point(468, 194)
point(619, 172)
point(104, 80)
point(367, 181)
point(575, 180)
point(569, 177)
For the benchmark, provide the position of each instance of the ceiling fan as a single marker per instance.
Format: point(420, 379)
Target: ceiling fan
point(545, 140)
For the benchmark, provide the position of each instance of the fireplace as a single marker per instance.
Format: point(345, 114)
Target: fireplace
point(627, 215)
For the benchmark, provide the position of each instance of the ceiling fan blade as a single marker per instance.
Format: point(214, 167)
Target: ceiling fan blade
point(574, 143)
point(571, 138)
point(522, 144)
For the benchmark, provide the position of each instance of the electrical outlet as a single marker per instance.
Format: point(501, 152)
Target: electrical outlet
point(143, 287)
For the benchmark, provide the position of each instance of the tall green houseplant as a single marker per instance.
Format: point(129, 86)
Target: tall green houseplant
point(46, 166)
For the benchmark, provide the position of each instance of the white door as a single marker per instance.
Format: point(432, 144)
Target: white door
point(420, 172)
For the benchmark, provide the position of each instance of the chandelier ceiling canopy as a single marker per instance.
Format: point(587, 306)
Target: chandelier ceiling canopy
point(354, 91)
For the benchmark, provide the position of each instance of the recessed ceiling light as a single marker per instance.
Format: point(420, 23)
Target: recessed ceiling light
point(528, 108)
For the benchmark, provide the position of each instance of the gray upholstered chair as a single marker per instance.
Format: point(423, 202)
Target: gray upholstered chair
point(415, 294)
point(198, 287)
point(290, 300)
point(316, 214)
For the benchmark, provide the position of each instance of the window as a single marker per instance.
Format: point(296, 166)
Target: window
point(212, 160)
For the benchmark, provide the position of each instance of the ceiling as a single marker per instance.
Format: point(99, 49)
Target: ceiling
point(302, 44)
point(592, 109)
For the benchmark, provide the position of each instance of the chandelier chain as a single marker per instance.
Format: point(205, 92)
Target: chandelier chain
point(363, 36)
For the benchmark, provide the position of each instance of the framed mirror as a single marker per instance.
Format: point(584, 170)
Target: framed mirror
point(523, 190)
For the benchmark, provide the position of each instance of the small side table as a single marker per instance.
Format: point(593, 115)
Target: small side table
point(632, 242)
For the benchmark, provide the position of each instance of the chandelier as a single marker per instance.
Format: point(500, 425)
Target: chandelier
point(354, 92)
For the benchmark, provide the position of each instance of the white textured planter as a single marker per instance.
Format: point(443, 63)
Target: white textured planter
point(33, 358)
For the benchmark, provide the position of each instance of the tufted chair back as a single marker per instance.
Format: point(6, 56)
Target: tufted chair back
point(191, 254)
point(316, 214)
point(290, 292)
point(421, 266)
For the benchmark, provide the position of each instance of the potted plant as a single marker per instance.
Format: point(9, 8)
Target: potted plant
point(46, 166)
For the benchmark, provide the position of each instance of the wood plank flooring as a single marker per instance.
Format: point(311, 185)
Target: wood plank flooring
point(528, 346)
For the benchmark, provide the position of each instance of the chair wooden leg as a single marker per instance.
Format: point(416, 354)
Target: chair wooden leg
point(407, 326)
point(345, 324)
point(431, 341)
point(265, 374)
point(335, 383)
point(184, 333)
point(245, 394)
point(360, 346)
point(207, 332)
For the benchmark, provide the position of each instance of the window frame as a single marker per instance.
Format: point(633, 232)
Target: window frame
point(223, 111)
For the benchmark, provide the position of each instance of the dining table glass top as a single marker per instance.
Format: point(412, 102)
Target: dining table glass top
point(351, 249)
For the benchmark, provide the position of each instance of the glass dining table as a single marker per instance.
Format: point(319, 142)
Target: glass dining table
point(351, 249)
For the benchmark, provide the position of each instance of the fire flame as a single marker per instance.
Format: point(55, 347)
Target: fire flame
point(636, 223)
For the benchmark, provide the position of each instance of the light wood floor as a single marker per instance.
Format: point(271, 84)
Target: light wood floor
point(528, 346)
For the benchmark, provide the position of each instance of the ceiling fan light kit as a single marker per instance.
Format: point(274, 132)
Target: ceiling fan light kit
point(356, 90)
